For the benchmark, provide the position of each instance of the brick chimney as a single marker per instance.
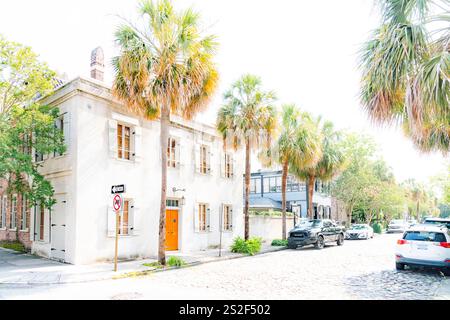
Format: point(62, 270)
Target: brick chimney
point(97, 64)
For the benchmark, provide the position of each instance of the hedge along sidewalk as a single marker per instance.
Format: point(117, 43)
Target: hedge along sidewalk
point(27, 269)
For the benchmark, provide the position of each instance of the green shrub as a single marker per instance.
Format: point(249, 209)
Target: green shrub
point(16, 246)
point(377, 228)
point(250, 247)
point(279, 243)
point(175, 262)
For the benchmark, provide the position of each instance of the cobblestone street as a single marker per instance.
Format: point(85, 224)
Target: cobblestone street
point(358, 270)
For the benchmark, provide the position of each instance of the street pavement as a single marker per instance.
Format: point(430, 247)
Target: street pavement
point(361, 269)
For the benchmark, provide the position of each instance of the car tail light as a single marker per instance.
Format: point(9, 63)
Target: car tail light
point(445, 245)
point(398, 257)
point(402, 241)
point(447, 261)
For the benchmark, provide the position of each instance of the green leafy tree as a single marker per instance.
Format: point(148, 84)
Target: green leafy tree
point(247, 119)
point(406, 71)
point(298, 145)
point(330, 164)
point(25, 125)
point(349, 187)
point(165, 67)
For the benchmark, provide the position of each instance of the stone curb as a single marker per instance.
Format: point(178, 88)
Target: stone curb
point(123, 275)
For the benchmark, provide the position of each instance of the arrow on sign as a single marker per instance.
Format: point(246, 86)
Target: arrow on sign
point(118, 189)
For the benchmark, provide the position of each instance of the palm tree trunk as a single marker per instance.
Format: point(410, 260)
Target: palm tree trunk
point(164, 132)
point(247, 189)
point(283, 193)
point(311, 181)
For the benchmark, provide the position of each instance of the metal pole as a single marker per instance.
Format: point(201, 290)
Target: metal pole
point(117, 241)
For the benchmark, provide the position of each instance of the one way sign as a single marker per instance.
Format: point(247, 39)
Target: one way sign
point(118, 189)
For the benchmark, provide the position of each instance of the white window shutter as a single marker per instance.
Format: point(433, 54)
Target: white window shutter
point(222, 218)
point(137, 147)
point(111, 231)
point(177, 152)
point(233, 167)
point(196, 218)
point(66, 131)
point(209, 156)
point(222, 164)
point(112, 138)
point(208, 219)
point(134, 219)
point(197, 157)
point(231, 218)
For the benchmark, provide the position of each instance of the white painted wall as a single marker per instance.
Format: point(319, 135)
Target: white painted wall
point(269, 228)
point(91, 170)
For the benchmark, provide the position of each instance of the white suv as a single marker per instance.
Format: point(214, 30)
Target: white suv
point(424, 245)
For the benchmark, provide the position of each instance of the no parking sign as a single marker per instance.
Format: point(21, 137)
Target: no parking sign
point(117, 202)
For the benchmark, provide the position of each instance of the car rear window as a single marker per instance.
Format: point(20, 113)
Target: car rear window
point(425, 236)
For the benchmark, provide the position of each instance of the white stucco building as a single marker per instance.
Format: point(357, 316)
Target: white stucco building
point(107, 145)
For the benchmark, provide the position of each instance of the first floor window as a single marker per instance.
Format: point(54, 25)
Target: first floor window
point(41, 221)
point(227, 218)
point(3, 207)
point(123, 221)
point(24, 224)
point(203, 217)
point(13, 223)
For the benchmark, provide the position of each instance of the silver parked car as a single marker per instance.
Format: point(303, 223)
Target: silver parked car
point(398, 226)
point(359, 231)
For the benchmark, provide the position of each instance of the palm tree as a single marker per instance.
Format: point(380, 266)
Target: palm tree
point(406, 71)
point(298, 145)
point(164, 67)
point(330, 164)
point(247, 118)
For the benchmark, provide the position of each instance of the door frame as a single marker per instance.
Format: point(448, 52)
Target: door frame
point(178, 209)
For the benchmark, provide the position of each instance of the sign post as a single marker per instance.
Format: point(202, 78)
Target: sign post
point(117, 205)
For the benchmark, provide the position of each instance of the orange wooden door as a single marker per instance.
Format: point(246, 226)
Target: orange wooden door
point(172, 230)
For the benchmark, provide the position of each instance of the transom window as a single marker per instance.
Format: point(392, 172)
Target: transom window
point(172, 203)
point(123, 142)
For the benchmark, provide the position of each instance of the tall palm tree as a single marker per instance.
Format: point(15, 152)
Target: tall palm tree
point(165, 67)
point(247, 119)
point(406, 71)
point(330, 164)
point(298, 144)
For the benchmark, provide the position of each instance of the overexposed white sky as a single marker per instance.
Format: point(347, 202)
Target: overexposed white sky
point(304, 50)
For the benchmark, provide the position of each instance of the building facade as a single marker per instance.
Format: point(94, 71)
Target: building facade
point(106, 146)
point(265, 194)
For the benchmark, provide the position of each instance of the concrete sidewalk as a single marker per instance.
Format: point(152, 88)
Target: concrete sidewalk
point(25, 269)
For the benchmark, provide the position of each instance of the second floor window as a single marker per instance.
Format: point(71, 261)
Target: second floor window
point(229, 165)
point(172, 152)
point(123, 142)
point(204, 160)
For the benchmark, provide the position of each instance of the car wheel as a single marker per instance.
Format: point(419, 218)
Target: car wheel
point(446, 272)
point(292, 246)
point(399, 266)
point(340, 240)
point(320, 244)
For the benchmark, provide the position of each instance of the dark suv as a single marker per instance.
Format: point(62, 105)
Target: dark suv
point(317, 233)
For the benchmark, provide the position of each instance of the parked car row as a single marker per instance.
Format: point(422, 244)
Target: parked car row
point(425, 245)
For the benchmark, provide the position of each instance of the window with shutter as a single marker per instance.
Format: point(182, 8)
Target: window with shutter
point(172, 153)
point(112, 132)
point(227, 218)
point(123, 142)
